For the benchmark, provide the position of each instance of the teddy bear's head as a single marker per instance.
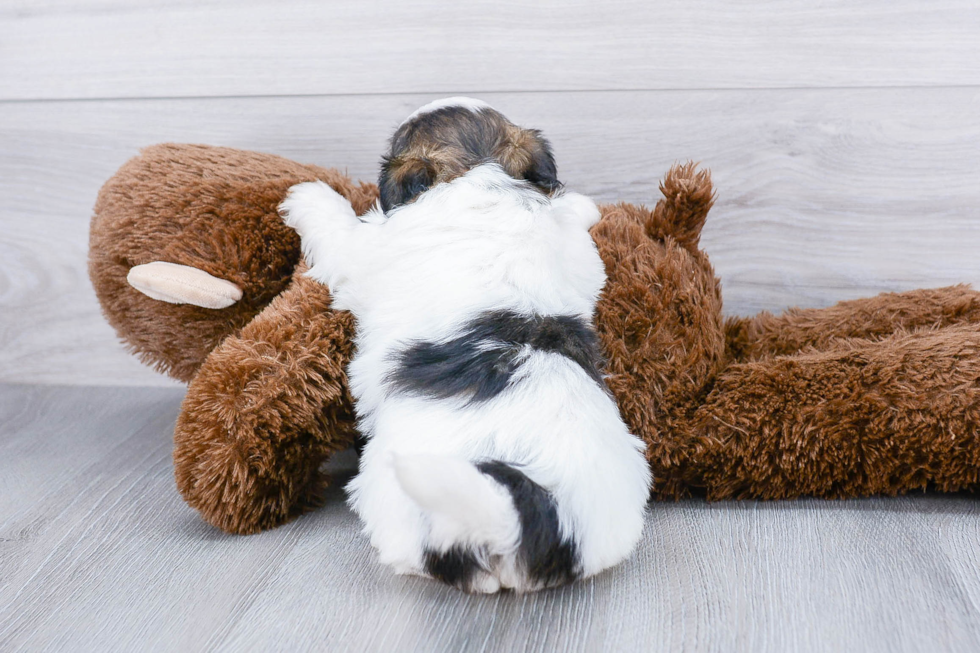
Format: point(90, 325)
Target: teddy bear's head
point(186, 246)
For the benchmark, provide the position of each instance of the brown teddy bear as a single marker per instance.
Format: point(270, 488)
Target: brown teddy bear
point(199, 276)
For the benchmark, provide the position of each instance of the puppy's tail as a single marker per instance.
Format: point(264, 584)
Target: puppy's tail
point(491, 525)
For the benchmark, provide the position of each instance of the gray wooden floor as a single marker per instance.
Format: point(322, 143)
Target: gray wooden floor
point(97, 552)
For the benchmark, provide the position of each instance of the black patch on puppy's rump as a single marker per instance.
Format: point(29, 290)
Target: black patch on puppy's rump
point(482, 361)
point(546, 558)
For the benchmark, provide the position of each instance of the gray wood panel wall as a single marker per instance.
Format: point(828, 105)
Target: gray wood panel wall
point(844, 136)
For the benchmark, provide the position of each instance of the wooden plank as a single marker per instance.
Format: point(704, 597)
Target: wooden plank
point(115, 561)
point(29, 443)
point(823, 194)
point(117, 48)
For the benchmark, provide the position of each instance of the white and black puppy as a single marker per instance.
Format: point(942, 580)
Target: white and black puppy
point(495, 456)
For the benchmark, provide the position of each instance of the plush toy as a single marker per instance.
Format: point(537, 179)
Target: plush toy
point(197, 273)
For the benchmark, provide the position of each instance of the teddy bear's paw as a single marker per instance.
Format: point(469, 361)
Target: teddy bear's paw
point(182, 284)
point(687, 197)
point(313, 205)
point(686, 185)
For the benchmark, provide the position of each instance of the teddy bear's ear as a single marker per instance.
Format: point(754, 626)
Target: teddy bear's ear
point(403, 179)
point(182, 284)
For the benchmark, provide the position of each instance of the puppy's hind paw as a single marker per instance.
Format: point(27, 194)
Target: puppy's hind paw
point(484, 583)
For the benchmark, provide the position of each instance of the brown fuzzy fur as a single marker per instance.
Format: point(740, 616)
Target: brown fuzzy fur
point(212, 208)
point(875, 318)
point(878, 395)
point(265, 410)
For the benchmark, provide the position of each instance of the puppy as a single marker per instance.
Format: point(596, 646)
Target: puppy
point(495, 456)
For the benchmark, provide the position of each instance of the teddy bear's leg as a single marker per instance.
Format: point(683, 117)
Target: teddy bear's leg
point(265, 410)
point(864, 417)
point(874, 317)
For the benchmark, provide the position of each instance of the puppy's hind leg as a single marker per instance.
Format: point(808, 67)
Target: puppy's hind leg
point(391, 519)
point(491, 526)
point(473, 526)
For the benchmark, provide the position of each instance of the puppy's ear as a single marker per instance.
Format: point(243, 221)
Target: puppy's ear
point(402, 180)
point(542, 171)
point(526, 154)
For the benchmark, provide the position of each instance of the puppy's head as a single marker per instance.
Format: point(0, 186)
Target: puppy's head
point(445, 139)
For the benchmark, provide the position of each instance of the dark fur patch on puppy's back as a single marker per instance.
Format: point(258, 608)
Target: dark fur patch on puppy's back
point(546, 558)
point(481, 362)
point(440, 145)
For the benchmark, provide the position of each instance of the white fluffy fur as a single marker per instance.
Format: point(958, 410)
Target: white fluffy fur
point(482, 242)
point(466, 102)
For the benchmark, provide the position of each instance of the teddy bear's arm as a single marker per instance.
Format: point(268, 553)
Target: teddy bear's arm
point(678, 216)
point(873, 317)
point(659, 322)
point(265, 410)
